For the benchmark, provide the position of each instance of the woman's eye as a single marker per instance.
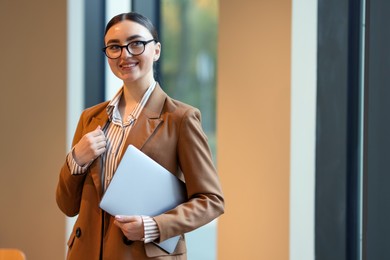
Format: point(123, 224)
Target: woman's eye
point(136, 44)
point(114, 47)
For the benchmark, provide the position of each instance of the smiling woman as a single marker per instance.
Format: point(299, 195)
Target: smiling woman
point(200, 22)
point(143, 115)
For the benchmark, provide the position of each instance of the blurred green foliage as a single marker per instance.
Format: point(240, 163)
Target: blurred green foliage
point(189, 51)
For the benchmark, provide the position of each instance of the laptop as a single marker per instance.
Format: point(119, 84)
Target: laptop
point(141, 186)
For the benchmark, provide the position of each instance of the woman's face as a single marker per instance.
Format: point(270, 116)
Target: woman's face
point(127, 67)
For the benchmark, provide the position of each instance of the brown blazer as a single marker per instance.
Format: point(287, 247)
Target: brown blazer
point(168, 131)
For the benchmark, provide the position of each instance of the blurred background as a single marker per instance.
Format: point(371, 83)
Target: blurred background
point(294, 99)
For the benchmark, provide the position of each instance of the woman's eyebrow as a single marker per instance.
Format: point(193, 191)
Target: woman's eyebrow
point(113, 41)
point(133, 37)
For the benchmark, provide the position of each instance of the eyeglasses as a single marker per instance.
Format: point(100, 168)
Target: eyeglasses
point(135, 48)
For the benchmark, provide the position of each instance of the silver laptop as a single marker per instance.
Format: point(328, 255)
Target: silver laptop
point(141, 186)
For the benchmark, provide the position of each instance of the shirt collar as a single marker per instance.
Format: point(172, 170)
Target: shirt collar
point(113, 110)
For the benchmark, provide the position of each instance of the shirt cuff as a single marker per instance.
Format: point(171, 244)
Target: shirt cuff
point(76, 169)
point(150, 229)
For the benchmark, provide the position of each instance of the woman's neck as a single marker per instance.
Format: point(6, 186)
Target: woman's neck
point(132, 94)
point(133, 91)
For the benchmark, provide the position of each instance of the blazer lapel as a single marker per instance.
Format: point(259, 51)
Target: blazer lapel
point(148, 120)
point(96, 166)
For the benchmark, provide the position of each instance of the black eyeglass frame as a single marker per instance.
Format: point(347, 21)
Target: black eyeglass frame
point(127, 48)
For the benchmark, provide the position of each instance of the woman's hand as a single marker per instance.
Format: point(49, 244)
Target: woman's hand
point(131, 226)
point(90, 146)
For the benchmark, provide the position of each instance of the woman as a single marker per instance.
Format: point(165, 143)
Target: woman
point(166, 130)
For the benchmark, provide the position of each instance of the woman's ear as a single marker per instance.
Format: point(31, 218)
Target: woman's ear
point(157, 52)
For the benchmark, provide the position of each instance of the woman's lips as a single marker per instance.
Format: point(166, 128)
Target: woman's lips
point(128, 65)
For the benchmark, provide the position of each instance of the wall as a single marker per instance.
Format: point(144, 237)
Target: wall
point(33, 96)
point(253, 128)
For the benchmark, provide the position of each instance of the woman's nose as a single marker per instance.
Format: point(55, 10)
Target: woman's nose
point(125, 53)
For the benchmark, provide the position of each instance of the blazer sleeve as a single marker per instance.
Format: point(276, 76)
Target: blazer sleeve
point(205, 198)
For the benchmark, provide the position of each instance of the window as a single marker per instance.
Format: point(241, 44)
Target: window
point(188, 73)
point(189, 49)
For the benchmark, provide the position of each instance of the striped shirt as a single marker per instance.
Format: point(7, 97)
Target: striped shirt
point(116, 131)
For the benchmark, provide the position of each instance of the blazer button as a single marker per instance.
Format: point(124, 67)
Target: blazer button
point(78, 232)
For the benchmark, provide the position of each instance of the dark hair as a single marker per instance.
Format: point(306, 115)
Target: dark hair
point(135, 17)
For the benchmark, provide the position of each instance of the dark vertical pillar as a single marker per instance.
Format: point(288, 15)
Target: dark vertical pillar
point(354, 120)
point(378, 131)
point(331, 134)
point(94, 57)
point(337, 154)
point(152, 10)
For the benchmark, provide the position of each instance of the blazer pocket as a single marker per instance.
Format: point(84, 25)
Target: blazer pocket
point(153, 250)
point(71, 240)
